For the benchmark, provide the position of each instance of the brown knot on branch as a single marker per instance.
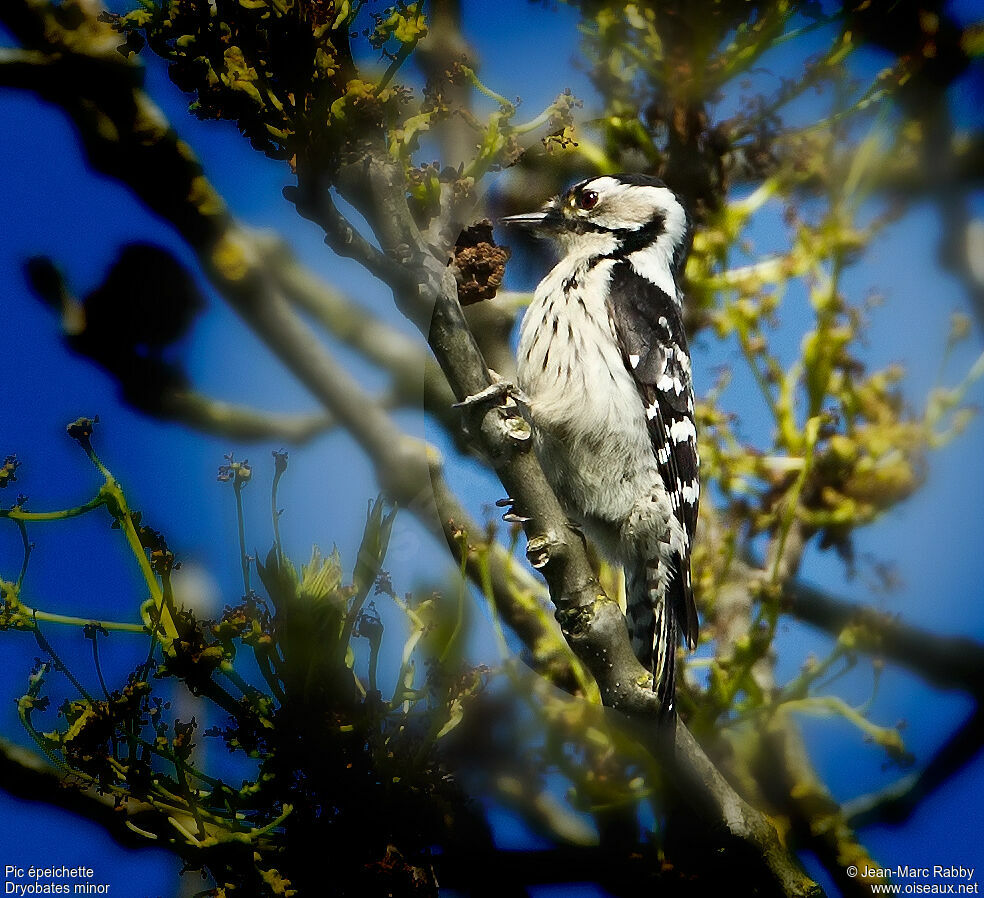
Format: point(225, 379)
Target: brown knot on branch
point(479, 265)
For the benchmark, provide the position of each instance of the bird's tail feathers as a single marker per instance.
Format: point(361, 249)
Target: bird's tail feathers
point(687, 609)
point(652, 620)
point(664, 655)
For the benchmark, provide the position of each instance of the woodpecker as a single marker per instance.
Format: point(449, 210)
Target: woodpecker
point(605, 372)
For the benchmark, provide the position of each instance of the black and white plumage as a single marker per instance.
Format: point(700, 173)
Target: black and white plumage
point(604, 364)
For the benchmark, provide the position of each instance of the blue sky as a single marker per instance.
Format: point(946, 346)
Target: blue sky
point(53, 204)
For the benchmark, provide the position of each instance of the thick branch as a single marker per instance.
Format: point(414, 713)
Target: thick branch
point(694, 780)
point(592, 623)
point(127, 137)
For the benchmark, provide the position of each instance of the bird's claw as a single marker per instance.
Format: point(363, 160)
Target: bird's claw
point(498, 389)
point(511, 516)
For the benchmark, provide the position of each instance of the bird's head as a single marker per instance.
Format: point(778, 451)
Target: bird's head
point(613, 215)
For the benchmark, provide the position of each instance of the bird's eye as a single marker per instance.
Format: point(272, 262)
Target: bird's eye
point(587, 199)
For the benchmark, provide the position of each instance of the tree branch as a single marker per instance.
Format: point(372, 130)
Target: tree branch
point(949, 662)
point(416, 379)
point(26, 775)
point(898, 802)
point(127, 137)
point(240, 422)
point(591, 622)
point(818, 822)
point(313, 200)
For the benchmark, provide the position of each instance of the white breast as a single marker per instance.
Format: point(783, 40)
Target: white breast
point(590, 429)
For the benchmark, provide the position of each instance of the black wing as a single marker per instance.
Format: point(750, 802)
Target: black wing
point(651, 336)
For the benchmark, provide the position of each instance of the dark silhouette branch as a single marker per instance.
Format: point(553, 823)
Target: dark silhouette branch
point(25, 775)
point(898, 802)
point(948, 662)
point(133, 824)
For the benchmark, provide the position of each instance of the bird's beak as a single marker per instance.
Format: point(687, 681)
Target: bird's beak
point(525, 220)
point(547, 219)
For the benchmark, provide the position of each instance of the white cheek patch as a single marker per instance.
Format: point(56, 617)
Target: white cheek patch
point(582, 247)
point(628, 207)
point(634, 360)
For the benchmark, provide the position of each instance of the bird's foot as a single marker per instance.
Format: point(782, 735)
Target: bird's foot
point(511, 516)
point(495, 391)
